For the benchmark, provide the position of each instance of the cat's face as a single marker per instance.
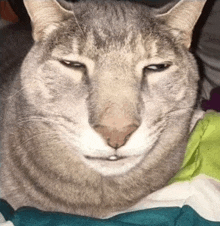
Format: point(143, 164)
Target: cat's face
point(111, 83)
point(98, 115)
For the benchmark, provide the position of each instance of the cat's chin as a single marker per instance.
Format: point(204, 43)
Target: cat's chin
point(112, 165)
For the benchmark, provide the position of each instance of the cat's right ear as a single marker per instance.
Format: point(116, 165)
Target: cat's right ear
point(44, 15)
point(181, 16)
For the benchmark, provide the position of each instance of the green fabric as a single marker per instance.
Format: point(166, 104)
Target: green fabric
point(203, 150)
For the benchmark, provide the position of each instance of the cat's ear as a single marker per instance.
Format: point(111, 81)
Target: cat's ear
point(43, 14)
point(182, 17)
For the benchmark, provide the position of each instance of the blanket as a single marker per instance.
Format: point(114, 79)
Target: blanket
point(192, 197)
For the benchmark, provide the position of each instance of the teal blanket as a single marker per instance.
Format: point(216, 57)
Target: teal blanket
point(184, 216)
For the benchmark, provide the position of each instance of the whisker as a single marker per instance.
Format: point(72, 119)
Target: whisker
point(16, 93)
point(180, 109)
point(78, 23)
point(52, 135)
point(42, 133)
point(61, 122)
point(20, 121)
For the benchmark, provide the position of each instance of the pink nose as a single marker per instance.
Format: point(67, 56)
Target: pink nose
point(116, 138)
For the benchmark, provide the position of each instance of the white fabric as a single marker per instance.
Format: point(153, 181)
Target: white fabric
point(2, 219)
point(7, 223)
point(201, 193)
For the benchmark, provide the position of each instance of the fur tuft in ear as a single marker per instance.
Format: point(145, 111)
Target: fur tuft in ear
point(44, 13)
point(183, 17)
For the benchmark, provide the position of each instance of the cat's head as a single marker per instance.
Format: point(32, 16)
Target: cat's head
point(117, 74)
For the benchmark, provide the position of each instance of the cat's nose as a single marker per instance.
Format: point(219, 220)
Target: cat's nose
point(116, 137)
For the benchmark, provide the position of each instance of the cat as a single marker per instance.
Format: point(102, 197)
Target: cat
point(96, 108)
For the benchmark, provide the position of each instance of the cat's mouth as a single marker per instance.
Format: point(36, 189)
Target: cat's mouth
point(112, 164)
point(109, 158)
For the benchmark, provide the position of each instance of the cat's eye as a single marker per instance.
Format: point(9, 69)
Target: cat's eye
point(157, 67)
point(73, 64)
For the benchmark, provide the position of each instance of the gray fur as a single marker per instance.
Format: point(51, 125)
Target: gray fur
point(39, 167)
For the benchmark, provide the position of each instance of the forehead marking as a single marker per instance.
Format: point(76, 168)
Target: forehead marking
point(75, 46)
point(139, 45)
point(101, 34)
point(90, 41)
point(154, 50)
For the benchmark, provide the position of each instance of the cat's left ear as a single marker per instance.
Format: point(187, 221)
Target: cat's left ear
point(44, 13)
point(182, 17)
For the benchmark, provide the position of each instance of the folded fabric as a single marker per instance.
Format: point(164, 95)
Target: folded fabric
point(192, 197)
point(185, 216)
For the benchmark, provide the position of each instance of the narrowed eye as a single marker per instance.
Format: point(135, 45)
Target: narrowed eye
point(73, 64)
point(157, 67)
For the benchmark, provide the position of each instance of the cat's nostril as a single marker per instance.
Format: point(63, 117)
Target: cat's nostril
point(115, 138)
